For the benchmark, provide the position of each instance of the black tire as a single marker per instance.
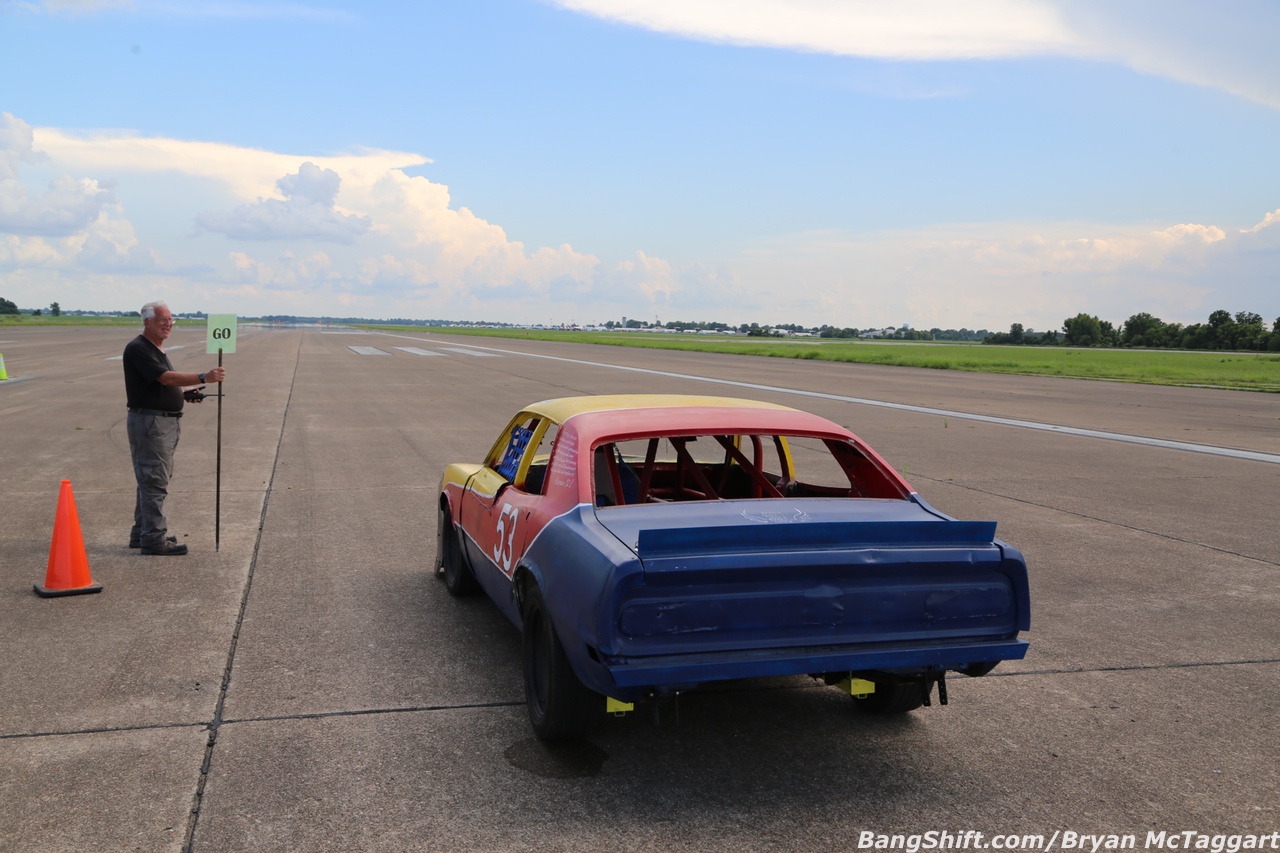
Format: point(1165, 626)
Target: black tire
point(892, 698)
point(560, 706)
point(449, 563)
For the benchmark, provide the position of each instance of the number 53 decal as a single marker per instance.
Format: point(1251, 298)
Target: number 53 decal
point(505, 539)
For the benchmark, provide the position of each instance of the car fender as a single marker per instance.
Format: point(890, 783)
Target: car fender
point(453, 482)
point(580, 567)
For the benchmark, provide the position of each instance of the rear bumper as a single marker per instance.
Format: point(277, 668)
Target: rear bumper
point(692, 669)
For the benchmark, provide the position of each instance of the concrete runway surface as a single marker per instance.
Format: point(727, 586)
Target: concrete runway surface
point(311, 685)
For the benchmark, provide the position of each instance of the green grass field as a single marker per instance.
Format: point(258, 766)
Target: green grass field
point(1241, 371)
point(10, 321)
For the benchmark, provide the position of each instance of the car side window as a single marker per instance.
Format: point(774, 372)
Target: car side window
point(521, 454)
point(539, 459)
point(517, 441)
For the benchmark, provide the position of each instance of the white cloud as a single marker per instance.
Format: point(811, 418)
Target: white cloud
point(17, 146)
point(395, 244)
point(1229, 47)
point(416, 254)
point(991, 275)
point(306, 212)
point(1186, 40)
point(66, 207)
point(922, 29)
point(1270, 221)
point(246, 173)
point(393, 239)
point(650, 276)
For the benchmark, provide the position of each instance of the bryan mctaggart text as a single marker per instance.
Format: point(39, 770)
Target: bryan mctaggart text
point(1067, 840)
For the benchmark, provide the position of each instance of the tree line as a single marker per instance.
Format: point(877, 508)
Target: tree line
point(1244, 330)
point(8, 307)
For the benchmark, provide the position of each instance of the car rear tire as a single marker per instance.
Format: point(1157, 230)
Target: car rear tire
point(892, 698)
point(449, 563)
point(560, 706)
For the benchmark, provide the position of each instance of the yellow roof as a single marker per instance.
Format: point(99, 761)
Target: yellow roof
point(563, 408)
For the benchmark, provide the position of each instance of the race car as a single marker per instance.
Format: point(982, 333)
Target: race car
point(646, 545)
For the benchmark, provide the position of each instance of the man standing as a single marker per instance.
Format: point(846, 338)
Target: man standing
point(155, 393)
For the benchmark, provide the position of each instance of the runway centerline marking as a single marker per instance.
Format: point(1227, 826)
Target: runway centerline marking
point(1081, 432)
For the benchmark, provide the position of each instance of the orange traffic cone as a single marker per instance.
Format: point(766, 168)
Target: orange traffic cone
point(68, 572)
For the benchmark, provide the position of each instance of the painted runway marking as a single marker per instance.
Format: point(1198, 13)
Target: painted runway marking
point(418, 351)
point(1147, 441)
point(367, 351)
point(473, 353)
point(114, 358)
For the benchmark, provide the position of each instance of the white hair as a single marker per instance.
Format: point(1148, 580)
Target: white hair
point(149, 310)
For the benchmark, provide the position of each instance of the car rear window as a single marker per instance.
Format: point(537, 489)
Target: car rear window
point(699, 467)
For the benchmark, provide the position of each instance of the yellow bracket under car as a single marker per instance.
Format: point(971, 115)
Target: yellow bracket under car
point(858, 687)
point(617, 707)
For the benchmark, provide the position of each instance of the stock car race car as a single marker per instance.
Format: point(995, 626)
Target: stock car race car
point(646, 545)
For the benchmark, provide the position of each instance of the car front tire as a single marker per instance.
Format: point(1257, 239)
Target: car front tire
point(560, 706)
point(449, 564)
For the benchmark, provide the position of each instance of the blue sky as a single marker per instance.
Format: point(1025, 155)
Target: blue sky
point(856, 163)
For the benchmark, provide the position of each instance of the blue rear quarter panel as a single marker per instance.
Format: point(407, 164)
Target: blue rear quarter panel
point(671, 596)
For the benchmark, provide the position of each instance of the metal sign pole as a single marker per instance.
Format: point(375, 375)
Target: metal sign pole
point(221, 330)
point(217, 500)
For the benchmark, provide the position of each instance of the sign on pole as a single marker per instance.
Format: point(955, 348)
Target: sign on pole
point(222, 333)
point(222, 339)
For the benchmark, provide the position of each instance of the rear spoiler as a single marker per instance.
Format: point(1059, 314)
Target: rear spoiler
point(815, 536)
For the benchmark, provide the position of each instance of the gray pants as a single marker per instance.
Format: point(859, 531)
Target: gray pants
point(152, 440)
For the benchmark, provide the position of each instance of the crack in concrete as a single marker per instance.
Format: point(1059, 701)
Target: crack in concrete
point(216, 723)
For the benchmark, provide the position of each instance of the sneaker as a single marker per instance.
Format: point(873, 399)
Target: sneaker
point(133, 543)
point(165, 549)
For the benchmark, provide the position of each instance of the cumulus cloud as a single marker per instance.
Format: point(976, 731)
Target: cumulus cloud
point(66, 207)
point(17, 146)
point(650, 276)
point(287, 271)
point(76, 224)
point(991, 274)
point(1184, 40)
point(1271, 222)
point(647, 285)
point(395, 244)
point(362, 236)
point(306, 212)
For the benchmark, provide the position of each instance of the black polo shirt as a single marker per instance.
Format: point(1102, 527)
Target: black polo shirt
point(144, 363)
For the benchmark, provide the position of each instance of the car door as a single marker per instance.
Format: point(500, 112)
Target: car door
point(496, 507)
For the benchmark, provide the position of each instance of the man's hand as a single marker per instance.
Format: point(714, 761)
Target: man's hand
point(193, 395)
